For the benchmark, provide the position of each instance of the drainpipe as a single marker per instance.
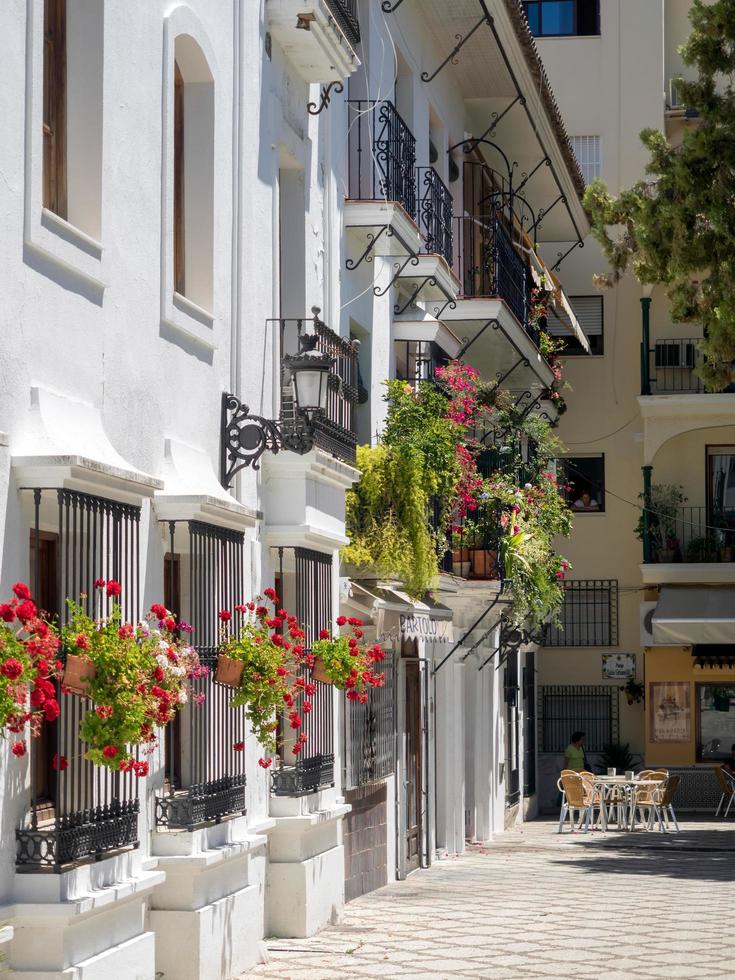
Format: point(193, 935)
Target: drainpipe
point(647, 471)
point(646, 340)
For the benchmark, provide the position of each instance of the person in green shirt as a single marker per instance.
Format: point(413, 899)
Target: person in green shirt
point(574, 753)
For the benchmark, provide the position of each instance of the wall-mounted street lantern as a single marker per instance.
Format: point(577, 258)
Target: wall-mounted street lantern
point(246, 437)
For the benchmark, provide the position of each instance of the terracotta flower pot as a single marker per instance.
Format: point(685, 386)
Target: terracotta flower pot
point(484, 564)
point(319, 673)
point(78, 672)
point(228, 671)
point(460, 554)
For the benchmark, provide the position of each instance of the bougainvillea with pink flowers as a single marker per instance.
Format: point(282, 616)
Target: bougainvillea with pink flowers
point(28, 667)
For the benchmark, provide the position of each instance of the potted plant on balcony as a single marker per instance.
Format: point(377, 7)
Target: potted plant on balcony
point(343, 661)
point(137, 677)
point(28, 667)
point(262, 660)
point(663, 513)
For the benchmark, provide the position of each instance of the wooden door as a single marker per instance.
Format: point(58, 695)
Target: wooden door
point(413, 782)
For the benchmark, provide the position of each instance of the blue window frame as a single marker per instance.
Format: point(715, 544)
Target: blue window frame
point(563, 18)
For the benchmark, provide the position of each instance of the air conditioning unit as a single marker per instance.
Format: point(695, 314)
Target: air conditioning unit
point(647, 610)
point(674, 97)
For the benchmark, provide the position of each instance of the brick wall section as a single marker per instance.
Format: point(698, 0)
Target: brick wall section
point(366, 841)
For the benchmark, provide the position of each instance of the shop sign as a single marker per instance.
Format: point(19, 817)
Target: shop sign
point(421, 627)
point(670, 711)
point(618, 666)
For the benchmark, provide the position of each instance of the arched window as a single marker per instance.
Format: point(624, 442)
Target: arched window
point(193, 174)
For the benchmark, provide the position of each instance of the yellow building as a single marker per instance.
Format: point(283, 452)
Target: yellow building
point(659, 623)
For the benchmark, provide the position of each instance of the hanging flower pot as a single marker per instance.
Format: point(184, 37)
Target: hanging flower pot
point(228, 671)
point(319, 672)
point(78, 673)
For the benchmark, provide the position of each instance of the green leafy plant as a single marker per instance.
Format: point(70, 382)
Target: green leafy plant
point(349, 664)
point(663, 512)
point(674, 227)
point(634, 691)
point(618, 757)
point(141, 678)
point(270, 645)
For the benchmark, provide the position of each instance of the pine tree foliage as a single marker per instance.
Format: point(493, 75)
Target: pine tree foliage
point(676, 227)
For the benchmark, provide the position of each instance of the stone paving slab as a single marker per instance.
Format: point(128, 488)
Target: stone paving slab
point(534, 903)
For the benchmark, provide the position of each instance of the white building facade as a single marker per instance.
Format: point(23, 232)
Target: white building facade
point(189, 191)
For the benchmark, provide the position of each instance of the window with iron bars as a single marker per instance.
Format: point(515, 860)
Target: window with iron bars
point(205, 773)
point(370, 731)
point(566, 708)
point(313, 768)
point(588, 616)
point(82, 813)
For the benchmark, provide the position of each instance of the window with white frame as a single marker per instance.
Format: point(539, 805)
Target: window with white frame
point(587, 151)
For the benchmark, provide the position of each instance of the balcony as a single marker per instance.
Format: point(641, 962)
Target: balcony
point(318, 36)
point(335, 430)
point(696, 547)
point(435, 214)
point(473, 551)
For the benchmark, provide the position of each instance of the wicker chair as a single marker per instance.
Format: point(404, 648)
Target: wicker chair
point(655, 802)
point(666, 793)
point(727, 785)
point(577, 797)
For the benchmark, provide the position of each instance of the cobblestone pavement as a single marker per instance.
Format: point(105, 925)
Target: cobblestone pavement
point(536, 904)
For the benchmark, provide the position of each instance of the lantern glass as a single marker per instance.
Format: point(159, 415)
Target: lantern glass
point(310, 373)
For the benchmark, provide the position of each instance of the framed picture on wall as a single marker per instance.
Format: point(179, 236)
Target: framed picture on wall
point(618, 666)
point(670, 711)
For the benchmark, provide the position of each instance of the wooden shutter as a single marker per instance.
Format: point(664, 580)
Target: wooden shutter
point(54, 107)
point(179, 253)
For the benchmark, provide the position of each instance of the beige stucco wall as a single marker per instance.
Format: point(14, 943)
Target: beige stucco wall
point(614, 86)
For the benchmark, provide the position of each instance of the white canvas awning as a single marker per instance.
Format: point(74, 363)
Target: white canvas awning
point(688, 616)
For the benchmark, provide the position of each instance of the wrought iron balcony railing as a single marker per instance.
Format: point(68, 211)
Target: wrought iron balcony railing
point(473, 550)
point(382, 154)
point(435, 213)
point(334, 431)
point(345, 13)
point(672, 365)
point(487, 263)
point(692, 536)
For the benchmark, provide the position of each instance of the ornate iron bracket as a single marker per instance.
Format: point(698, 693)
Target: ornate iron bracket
point(367, 255)
point(413, 259)
point(527, 411)
point(545, 213)
point(560, 258)
point(439, 310)
point(245, 437)
point(451, 57)
point(501, 377)
point(428, 281)
point(527, 177)
point(495, 324)
point(490, 131)
point(325, 97)
point(390, 8)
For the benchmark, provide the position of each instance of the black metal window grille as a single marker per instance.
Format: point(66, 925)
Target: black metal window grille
point(370, 731)
point(314, 767)
point(335, 431)
point(588, 708)
point(205, 772)
point(91, 811)
point(435, 213)
point(529, 725)
point(382, 154)
point(589, 615)
point(675, 361)
point(345, 13)
point(490, 265)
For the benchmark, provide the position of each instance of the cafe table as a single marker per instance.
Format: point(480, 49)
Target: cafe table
point(605, 784)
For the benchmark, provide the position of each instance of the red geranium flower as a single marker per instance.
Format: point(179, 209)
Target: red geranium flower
point(170, 623)
point(140, 768)
point(341, 620)
point(323, 634)
point(238, 746)
point(99, 583)
point(82, 642)
point(225, 615)
point(7, 613)
point(113, 588)
point(19, 749)
point(271, 594)
point(22, 590)
point(51, 709)
point(125, 631)
point(12, 668)
point(26, 610)
point(158, 610)
point(109, 752)
point(265, 763)
point(59, 762)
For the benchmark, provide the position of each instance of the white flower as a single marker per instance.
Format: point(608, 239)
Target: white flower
point(162, 661)
point(528, 486)
point(143, 628)
point(183, 697)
